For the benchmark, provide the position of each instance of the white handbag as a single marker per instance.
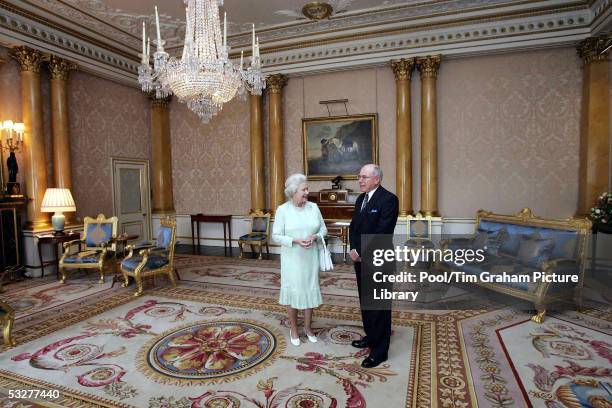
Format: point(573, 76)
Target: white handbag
point(325, 260)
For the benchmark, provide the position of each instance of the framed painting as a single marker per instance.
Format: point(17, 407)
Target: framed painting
point(339, 146)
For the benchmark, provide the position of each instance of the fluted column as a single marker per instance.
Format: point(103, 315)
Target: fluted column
point(428, 67)
point(35, 171)
point(161, 157)
point(62, 163)
point(275, 84)
point(258, 200)
point(594, 175)
point(402, 69)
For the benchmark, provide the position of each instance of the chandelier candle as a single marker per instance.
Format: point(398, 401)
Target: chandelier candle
point(159, 43)
point(144, 50)
point(203, 77)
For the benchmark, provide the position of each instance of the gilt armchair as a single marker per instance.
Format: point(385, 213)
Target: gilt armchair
point(96, 249)
point(7, 316)
point(146, 259)
point(259, 235)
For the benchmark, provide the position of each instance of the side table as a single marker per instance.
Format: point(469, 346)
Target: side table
point(223, 219)
point(123, 240)
point(54, 240)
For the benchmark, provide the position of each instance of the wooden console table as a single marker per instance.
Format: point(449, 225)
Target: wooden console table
point(54, 240)
point(223, 219)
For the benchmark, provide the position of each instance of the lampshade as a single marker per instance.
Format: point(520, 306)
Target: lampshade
point(57, 200)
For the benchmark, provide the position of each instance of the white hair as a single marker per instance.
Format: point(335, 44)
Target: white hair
point(377, 172)
point(292, 184)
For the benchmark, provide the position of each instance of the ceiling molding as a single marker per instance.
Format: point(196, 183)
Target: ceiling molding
point(453, 28)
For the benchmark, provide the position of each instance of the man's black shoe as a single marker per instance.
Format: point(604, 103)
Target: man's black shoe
point(363, 343)
point(370, 362)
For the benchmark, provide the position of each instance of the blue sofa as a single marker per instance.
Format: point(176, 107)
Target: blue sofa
point(524, 244)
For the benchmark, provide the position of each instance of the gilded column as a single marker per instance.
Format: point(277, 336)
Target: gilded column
point(594, 176)
point(62, 164)
point(402, 69)
point(258, 200)
point(35, 171)
point(275, 84)
point(161, 157)
point(428, 67)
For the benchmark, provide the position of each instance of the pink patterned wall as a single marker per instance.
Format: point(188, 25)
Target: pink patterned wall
point(211, 163)
point(509, 133)
point(106, 119)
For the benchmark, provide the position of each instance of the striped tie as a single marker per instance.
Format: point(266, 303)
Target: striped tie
point(365, 202)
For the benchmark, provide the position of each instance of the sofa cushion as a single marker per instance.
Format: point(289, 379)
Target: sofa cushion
point(534, 250)
point(566, 242)
point(490, 240)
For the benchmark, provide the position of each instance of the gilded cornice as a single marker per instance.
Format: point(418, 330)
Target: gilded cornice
point(591, 49)
point(275, 83)
point(60, 68)
point(428, 66)
point(29, 59)
point(159, 102)
point(402, 68)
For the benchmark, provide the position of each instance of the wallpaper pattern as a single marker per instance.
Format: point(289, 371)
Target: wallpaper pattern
point(211, 163)
point(508, 130)
point(106, 119)
point(509, 133)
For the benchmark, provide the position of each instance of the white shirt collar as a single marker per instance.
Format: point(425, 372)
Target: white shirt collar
point(371, 193)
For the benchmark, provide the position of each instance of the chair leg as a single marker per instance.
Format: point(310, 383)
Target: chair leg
point(171, 276)
point(138, 280)
point(240, 247)
point(177, 274)
point(268, 250)
point(62, 275)
point(260, 249)
point(539, 316)
point(8, 327)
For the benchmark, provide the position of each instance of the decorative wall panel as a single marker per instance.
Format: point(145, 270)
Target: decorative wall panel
point(211, 163)
point(509, 133)
point(106, 119)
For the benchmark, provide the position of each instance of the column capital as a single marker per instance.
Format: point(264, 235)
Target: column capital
point(60, 68)
point(159, 102)
point(29, 58)
point(275, 83)
point(428, 66)
point(403, 68)
point(591, 49)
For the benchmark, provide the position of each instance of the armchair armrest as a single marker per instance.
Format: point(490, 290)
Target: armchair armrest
point(137, 247)
point(68, 244)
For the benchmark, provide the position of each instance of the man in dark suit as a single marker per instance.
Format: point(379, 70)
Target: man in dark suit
point(376, 212)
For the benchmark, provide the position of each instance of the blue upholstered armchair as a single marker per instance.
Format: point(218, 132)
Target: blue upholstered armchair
point(96, 250)
point(260, 232)
point(148, 260)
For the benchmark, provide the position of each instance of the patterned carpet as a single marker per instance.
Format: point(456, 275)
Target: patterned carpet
point(220, 340)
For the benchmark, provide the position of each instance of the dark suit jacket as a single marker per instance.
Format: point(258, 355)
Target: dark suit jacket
point(379, 217)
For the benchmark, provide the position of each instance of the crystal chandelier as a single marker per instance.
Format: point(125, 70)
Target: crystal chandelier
point(204, 78)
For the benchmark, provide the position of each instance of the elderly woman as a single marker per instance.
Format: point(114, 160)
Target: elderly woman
point(298, 225)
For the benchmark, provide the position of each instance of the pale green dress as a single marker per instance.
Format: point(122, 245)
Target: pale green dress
point(299, 266)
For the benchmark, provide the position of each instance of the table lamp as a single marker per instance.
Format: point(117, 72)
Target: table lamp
point(58, 200)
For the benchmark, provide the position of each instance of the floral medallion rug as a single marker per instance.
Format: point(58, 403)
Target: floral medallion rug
point(186, 348)
point(565, 362)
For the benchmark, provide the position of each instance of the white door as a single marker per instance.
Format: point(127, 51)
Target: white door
point(131, 197)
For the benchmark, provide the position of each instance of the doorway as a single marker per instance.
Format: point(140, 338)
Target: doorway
point(131, 196)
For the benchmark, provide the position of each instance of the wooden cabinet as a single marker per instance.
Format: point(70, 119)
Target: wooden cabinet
point(11, 238)
point(335, 205)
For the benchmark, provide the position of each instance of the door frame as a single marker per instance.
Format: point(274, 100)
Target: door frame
point(147, 204)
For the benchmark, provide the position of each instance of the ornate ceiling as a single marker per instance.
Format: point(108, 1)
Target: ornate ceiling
point(104, 36)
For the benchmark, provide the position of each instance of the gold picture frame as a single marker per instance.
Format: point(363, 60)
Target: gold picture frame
point(339, 145)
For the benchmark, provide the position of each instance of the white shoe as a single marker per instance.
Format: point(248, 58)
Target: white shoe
point(313, 338)
point(295, 342)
